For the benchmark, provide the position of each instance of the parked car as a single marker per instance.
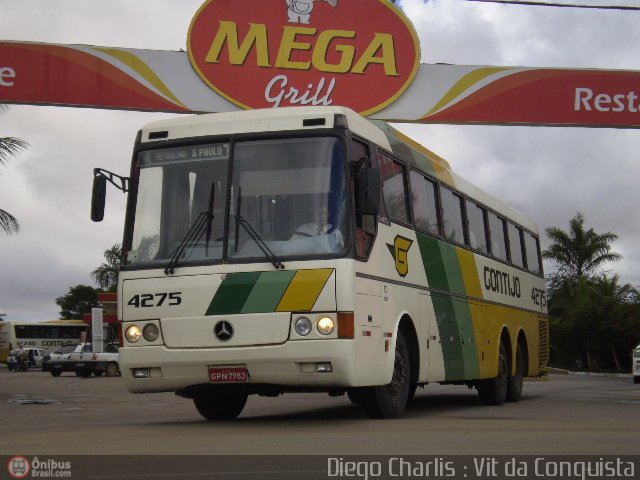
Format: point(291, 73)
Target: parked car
point(57, 354)
point(35, 356)
point(57, 357)
point(82, 360)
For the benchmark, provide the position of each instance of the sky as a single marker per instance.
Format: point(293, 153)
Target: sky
point(547, 173)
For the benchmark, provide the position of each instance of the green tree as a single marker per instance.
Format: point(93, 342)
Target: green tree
point(591, 313)
point(593, 323)
point(579, 253)
point(78, 301)
point(9, 147)
point(106, 275)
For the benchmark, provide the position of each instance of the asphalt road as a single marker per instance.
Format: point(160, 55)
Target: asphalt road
point(563, 415)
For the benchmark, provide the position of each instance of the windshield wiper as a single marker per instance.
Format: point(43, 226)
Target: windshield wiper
point(241, 221)
point(193, 236)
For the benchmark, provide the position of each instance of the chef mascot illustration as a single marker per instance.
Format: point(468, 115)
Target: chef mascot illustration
point(300, 10)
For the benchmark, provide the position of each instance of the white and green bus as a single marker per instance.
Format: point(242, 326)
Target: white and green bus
point(43, 335)
point(309, 249)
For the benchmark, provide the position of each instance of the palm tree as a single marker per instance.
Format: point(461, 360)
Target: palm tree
point(579, 252)
point(9, 147)
point(106, 275)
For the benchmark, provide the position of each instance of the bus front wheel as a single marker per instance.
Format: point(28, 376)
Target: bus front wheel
point(390, 401)
point(220, 405)
point(493, 391)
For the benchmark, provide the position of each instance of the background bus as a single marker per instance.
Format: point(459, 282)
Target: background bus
point(413, 275)
point(44, 335)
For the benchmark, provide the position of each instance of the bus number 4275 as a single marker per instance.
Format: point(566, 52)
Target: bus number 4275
point(147, 300)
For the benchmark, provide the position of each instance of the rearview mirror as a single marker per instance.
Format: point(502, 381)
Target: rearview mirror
point(368, 191)
point(98, 196)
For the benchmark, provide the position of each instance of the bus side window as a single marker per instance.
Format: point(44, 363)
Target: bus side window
point(393, 188)
point(497, 237)
point(452, 215)
point(365, 224)
point(532, 251)
point(515, 245)
point(476, 217)
point(424, 204)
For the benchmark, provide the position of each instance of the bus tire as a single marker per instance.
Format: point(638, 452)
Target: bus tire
point(56, 373)
point(112, 370)
point(636, 379)
point(514, 384)
point(390, 401)
point(493, 391)
point(355, 395)
point(220, 405)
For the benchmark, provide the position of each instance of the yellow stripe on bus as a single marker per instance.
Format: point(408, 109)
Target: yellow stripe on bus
point(304, 290)
point(469, 273)
point(481, 314)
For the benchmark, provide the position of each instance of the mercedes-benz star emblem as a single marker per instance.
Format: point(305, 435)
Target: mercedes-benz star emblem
point(223, 331)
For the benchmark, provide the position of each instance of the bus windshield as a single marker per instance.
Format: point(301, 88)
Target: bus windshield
point(290, 192)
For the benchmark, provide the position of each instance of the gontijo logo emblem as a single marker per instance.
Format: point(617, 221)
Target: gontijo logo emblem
point(268, 53)
point(400, 253)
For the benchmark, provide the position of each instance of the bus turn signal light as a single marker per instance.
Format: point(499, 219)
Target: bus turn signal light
point(345, 325)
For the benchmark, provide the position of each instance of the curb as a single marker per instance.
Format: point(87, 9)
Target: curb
point(559, 371)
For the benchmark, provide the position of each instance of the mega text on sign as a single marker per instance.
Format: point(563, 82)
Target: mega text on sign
point(270, 53)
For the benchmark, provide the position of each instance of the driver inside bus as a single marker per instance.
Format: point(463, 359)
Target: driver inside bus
point(319, 227)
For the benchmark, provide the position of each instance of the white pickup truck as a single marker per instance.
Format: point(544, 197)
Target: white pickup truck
point(84, 361)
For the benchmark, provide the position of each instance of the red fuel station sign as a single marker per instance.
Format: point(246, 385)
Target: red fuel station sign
point(272, 53)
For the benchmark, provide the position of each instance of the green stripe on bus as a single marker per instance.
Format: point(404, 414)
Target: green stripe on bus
point(449, 338)
point(268, 291)
point(232, 293)
point(453, 316)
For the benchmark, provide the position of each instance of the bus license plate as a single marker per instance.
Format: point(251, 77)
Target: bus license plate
point(228, 374)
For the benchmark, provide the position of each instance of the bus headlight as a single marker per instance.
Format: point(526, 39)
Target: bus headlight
point(303, 326)
point(150, 332)
point(326, 325)
point(133, 334)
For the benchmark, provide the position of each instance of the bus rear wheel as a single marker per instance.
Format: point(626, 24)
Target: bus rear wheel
point(390, 401)
point(514, 385)
point(493, 391)
point(220, 405)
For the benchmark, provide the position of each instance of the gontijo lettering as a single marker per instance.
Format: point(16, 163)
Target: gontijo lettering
point(7, 74)
point(502, 282)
